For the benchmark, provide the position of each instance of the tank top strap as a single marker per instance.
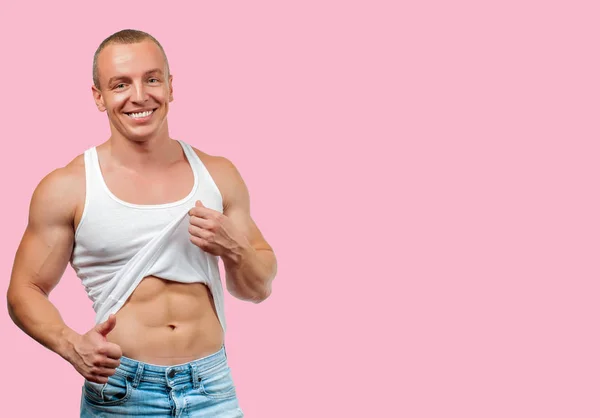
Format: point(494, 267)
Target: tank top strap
point(191, 156)
point(204, 176)
point(195, 161)
point(93, 187)
point(94, 181)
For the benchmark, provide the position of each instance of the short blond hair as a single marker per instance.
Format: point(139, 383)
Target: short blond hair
point(125, 36)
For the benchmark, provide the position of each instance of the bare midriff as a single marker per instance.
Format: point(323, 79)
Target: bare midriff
point(167, 323)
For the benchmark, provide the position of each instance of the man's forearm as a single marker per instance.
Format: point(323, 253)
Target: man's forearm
point(250, 274)
point(34, 314)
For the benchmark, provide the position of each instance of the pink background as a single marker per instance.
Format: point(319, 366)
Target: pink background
point(427, 174)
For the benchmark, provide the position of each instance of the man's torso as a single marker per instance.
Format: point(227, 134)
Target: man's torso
point(162, 322)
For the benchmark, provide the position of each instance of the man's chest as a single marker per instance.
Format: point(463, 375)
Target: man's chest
point(152, 187)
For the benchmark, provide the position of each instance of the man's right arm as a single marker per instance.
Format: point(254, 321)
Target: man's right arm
point(41, 260)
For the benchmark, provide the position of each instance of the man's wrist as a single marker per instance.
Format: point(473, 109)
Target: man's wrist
point(66, 343)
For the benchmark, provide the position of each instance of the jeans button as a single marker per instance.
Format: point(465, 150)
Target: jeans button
point(171, 373)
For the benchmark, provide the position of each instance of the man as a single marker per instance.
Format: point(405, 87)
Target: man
point(143, 220)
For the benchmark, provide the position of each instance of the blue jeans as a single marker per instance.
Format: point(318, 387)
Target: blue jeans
point(200, 388)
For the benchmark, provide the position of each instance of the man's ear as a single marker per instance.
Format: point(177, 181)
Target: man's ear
point(170, 88)
point(98, 99)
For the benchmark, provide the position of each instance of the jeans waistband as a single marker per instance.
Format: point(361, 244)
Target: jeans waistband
point(193, 371)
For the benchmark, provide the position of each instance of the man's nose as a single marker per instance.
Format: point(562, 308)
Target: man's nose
point(139, 93)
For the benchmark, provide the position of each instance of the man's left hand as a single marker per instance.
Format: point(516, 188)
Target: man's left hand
point(215, 233)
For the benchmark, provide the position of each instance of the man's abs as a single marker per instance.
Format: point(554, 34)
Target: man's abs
point(168, 323)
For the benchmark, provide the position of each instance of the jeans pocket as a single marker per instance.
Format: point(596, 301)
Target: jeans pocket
point(115, 392)
point(218, 384)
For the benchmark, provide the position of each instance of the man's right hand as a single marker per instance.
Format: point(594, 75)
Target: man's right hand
point(94, 357)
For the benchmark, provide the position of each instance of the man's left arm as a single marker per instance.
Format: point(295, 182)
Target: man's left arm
point(249, 261)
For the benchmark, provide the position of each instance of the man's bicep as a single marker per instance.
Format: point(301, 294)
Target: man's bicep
point(42, 257)
point(243, 221)
point(237, 210)
point(45, 248)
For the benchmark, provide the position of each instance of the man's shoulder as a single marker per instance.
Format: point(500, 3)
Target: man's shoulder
point(216, 162)
point(225, 174)
point(68, 175)
point(218, 166)
point(64, 184)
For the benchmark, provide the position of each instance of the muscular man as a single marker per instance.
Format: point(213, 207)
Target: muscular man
point(143, 219)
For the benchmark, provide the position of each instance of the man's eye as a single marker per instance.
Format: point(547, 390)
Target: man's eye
point(154, 80)
point(120, 86)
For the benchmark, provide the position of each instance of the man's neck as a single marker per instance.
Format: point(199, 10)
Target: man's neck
point(158, 150)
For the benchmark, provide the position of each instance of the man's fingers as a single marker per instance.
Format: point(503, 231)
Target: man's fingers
point(110, 363)
point(113, 351)
point(203, 212)
point(202, 222)
point(200, 233)
point(103, 371)
point(199, 212)
point(97, 378)
point(204, 245)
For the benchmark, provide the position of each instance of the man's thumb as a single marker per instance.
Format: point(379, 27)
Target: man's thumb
point(107, 326)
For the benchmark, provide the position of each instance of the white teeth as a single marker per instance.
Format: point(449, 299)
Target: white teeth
point(142, 114)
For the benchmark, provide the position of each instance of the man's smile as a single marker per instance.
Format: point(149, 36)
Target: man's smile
point(140, 114)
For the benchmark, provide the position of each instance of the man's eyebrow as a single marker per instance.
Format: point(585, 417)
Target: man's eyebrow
point(124, 77)
point(115, 78)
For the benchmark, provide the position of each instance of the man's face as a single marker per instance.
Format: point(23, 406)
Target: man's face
point(134, 89)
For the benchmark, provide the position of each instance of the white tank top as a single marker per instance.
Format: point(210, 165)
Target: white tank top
point(118, 243)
